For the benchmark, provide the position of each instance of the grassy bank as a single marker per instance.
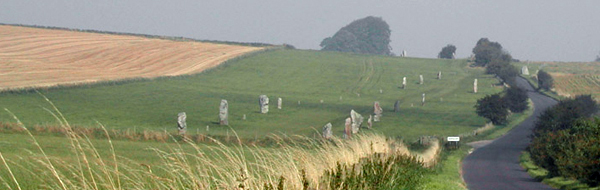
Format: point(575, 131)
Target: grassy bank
point(301, 78)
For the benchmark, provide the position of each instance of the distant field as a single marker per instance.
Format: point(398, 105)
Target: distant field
point(33, 57)
point(295, 75)
point(571, 79)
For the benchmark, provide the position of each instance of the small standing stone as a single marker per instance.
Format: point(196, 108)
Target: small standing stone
point(244, 117)
point(327, 132)
point(380, 91)
point(475, 86)
point(321, 101)
point(348, 128)
point(439, 75)
point(370, 122)
point(340, 98)
point(423, 101)
point(404, 83)
point(279, 102)
point(397, 106)
point(207, 128)
point(298, 102)
point(181, 125)
point(263, 101)
point(525, 70)
point(223, 113)
point(420, 79)
point(378, 111)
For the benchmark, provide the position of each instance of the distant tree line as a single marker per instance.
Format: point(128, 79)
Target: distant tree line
point(497, 107)
point(566, 140)
point(369, 35)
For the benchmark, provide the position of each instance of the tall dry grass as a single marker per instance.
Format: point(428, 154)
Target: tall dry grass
point(293, 163)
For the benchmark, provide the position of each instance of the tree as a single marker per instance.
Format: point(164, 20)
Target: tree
point(370, 35)
point(493, 108)
point(598, 58)
point(485, 51)
point(565, 113)
point(545, 81)
point(516, 99)
point(447, 52)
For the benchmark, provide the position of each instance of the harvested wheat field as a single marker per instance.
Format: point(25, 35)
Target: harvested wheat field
point(35, 57)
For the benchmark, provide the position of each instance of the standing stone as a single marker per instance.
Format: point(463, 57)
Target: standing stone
point(525, 70)
point(341, 98)
point(327, 133)
point(404, 83)
point(263, 101)
point(321, 101)
point(181, 125)
point(403, 53)
point(223, 113)
point(377, 110)
point(244, 117)
point(279, 102)
point(420, 79)
point(380, 91)
point(423, 101)
point(348, 128)
point(370, 122)
point(475, 86)
point(397, 106)
point(439, 75)
point(357, 121)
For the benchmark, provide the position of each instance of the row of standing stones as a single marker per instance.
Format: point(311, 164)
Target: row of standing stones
point(352, 124)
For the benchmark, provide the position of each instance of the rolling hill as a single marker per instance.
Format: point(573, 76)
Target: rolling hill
point(34, 57)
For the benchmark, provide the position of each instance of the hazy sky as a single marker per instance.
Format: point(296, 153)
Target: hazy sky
point(542, 30)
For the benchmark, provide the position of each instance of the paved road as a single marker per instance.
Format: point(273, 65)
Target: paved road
point(496, 165)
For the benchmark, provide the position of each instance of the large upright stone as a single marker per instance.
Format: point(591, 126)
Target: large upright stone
point(423, 101)
point(348, 128)
point(263, 101)
point(223, 113)
point(475, 86)
point(327, 132)
point(377, 111)
point(279, 102)
point(357, 121)
point(397, 106)
point(525, 70)
point(420, 79)
point(181, 125)
point(439, 75)
point(404, 83)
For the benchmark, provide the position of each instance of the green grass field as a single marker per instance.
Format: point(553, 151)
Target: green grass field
point(294, 75)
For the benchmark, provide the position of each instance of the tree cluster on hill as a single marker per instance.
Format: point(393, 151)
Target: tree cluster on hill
point(370, 35)
point(566, 140)
point(496, 107)
point(490, 55)
point(447, 52)
point(598, 58)
point(545, 80)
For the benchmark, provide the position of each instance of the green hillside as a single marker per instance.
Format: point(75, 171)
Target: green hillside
point(294, 75)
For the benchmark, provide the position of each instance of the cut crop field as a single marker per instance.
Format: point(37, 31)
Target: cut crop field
point(571, 79)
point(34, 57)
point(303, 79)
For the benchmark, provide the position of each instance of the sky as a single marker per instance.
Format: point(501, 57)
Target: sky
point(535, 30)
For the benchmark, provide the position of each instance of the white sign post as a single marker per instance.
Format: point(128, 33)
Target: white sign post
point(453, 142)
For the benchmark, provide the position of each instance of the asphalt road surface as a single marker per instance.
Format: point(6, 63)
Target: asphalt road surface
point(496, 165)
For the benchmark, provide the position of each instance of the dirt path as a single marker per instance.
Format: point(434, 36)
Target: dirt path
point(33, 57)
